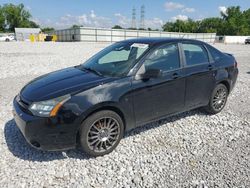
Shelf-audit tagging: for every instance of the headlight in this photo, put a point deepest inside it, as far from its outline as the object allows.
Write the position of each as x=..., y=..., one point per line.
x=48, y=108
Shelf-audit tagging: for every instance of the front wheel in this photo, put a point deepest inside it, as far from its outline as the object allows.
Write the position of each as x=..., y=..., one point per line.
x=218, y=99
x=101, y=133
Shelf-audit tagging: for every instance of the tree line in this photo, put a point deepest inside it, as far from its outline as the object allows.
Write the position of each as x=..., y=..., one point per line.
x=12, y=16
x=232, y=22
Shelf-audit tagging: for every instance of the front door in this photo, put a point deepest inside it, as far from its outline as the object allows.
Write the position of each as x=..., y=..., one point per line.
x=156, y=97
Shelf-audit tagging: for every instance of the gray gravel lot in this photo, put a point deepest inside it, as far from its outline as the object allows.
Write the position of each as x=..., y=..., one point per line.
x=188, y=150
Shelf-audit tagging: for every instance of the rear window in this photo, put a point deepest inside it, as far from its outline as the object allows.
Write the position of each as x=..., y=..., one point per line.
x=195, y=54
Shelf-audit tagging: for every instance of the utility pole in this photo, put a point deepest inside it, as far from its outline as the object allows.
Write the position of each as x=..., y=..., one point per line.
x=142, y=22
x=133, y=23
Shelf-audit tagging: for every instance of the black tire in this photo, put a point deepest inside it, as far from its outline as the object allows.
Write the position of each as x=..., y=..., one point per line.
x=7, y=40
x=217, y=100
x=104, y=129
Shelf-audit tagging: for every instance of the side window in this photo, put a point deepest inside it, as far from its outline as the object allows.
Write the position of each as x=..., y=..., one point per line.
x=195, y=54
x=140, y=51
x=165, y=58
x=215, y=53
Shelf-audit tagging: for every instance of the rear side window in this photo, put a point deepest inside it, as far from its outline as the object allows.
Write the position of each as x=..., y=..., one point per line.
x=195, y=54
x=216, y=54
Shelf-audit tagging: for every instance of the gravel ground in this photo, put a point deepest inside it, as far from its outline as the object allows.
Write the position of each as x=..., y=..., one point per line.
x=187, y=150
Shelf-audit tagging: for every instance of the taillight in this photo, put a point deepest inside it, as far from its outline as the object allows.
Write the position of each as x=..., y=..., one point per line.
x=235, y=64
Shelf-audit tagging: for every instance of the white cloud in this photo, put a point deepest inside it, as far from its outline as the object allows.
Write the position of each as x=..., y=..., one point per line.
x=123, y=21
x=93, y=20
x=155, y=23
x=188, y=10
x=170, y=6
x=223, y=9
x=92, y=14
x=87, y=20
x=180, y=17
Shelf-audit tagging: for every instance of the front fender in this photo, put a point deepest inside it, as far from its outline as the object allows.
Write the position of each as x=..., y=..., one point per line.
x=115, y=96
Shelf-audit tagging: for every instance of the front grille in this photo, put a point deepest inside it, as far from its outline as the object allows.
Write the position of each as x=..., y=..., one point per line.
x=21, y=102
x=24, y=104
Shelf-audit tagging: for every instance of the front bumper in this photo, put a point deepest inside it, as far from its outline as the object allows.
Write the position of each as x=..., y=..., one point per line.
x=49, y=134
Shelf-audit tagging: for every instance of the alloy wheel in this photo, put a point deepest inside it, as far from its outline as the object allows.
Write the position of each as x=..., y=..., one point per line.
x=103, y=134
x=219, y=99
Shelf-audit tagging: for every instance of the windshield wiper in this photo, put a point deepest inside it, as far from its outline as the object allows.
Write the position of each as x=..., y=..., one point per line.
x=93, y=70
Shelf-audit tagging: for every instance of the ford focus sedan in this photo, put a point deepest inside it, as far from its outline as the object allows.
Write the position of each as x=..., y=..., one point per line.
x=128, y=84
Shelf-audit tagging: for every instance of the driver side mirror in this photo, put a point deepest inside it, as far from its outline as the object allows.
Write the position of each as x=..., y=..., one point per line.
x=150, y=73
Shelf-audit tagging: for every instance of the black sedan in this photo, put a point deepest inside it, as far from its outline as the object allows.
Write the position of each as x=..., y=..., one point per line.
x=126, y=85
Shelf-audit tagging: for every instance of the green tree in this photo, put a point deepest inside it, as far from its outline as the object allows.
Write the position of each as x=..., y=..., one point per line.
x=150, y=29
x=246, y=15
x=188, y=26
x=117, y=27
x=33, y=24
x=17, y=16
x=233, y=19
x=2, y=20
x=76, y=26
x=169, y=26
x=131, y=28
x=211, y=25
x=232, y=22
x=48, y=29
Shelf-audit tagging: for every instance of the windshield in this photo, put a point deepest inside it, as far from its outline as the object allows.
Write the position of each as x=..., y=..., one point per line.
x=115, y=60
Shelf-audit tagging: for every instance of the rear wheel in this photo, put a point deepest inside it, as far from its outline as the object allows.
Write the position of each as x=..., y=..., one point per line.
x=218, y=99
x=101, y=133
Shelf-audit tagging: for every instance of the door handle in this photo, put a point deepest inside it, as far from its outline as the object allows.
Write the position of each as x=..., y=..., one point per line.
x=175, y=76
x=210, y=67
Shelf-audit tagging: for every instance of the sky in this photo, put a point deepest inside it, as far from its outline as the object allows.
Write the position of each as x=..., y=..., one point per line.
x=107, y=13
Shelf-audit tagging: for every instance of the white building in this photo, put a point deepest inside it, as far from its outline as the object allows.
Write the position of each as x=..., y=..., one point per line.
x=23, y=34
x=89, y=34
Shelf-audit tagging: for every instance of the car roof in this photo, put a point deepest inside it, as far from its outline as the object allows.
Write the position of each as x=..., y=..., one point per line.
x=159, y=40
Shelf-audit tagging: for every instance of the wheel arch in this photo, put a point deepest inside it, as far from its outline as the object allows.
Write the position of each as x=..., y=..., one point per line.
x=226, y=83
x=100, y=107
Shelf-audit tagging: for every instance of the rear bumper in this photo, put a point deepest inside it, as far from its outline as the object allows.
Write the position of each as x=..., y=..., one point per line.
x=234, y=77
x=49, y=134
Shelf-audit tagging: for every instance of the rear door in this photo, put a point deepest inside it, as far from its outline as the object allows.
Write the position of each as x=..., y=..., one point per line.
x=200, y=77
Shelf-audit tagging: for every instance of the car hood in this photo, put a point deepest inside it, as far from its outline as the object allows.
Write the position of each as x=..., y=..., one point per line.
x=66, y=81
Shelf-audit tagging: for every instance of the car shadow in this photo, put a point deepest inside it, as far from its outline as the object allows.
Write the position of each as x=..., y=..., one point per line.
x=163, y=121
x=248, y=72
x=18, y=146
